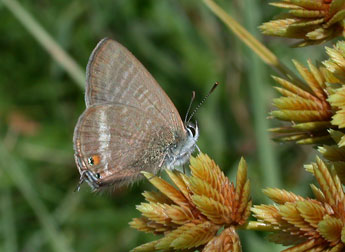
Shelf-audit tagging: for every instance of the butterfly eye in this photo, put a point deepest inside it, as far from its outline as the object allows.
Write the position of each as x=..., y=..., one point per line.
x=93, y=160
x=191, y=128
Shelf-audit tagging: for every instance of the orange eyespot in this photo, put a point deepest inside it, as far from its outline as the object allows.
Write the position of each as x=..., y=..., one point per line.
x=94, y=160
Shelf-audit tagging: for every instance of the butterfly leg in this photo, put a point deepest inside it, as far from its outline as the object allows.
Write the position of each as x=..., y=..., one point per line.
x=161, y=165
x=159, y=168
x=90, y=177
x=81, y=181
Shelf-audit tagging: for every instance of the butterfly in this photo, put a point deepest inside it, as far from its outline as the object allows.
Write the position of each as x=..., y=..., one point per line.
x=129, y=124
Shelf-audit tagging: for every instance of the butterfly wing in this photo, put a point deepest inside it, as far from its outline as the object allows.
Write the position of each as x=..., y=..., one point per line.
x=118, y=141
x=114, y=75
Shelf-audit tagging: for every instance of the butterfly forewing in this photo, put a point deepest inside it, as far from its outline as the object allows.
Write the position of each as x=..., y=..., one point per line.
x=115, y=75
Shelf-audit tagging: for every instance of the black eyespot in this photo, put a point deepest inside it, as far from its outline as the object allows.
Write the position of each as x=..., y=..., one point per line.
x=94, y=159
x=91, y=161
x=98, y=176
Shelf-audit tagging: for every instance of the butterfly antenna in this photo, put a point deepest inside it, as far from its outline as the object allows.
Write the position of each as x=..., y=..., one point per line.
x=190, y=105
x=203, y=100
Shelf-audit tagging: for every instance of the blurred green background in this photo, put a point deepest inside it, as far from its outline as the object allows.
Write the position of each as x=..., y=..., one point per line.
x=186, y=48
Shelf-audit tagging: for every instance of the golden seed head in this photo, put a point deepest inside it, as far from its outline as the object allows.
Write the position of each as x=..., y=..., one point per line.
x=190, y=213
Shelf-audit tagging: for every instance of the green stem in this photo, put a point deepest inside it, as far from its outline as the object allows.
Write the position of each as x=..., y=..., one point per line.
x=268, y=161
x=8, y=222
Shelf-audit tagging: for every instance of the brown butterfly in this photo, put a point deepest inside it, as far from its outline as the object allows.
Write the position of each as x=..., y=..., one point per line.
x=129, y=124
